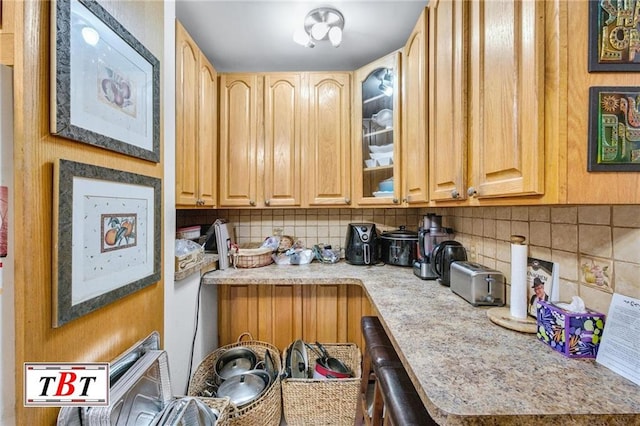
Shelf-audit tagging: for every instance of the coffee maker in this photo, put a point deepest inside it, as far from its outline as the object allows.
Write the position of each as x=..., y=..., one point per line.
x=430, y=234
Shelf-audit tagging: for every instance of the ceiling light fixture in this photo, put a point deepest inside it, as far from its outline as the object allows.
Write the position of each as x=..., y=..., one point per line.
x=324, y=23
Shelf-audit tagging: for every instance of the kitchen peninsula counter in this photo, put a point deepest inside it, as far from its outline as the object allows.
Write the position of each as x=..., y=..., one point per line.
x=466, y=369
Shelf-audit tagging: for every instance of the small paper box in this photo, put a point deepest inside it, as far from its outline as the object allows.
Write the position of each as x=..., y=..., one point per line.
x=573, y=334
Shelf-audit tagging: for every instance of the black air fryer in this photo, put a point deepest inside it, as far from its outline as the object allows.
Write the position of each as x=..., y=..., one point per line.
x=361, y=244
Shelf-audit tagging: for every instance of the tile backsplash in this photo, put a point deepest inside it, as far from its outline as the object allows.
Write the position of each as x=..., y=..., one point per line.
x=312, y=226
x=597, y=247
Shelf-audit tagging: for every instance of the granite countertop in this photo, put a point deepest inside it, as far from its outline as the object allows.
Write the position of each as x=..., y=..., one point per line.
x=467, y=369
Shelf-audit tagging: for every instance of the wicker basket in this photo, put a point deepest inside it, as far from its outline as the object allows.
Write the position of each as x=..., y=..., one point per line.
x=266, y=410
x=324, y=401
x=252, y=257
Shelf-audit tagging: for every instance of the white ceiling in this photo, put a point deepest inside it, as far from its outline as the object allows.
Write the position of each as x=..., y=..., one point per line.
x=257, y=35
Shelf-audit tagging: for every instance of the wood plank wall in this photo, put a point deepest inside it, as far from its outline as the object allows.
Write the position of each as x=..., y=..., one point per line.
x=582, y=186
x=103, y=334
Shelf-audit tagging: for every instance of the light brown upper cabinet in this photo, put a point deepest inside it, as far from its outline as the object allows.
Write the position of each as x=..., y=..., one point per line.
x=240, y=103
x=267, y=158
x=414, y=162
x=7, y=30
x=447, y=100
x=487, y=122
x=282, y=140
x=405, y=130
x=327, y=171
x=196, y=125
x=376, y=133
x=506, y=70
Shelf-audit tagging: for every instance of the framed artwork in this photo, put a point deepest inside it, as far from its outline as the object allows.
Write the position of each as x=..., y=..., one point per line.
x=614, y=36
x=107, y=84
x=614, y=129
x=106, y=237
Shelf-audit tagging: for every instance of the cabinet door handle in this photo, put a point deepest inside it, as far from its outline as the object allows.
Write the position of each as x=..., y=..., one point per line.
x=347, y=200
x=267, y=202
x=471, y=192
x=455, y=193
x=252, y=203
x=395, y=201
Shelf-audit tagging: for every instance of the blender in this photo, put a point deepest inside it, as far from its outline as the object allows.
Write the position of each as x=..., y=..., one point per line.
x=430, y=234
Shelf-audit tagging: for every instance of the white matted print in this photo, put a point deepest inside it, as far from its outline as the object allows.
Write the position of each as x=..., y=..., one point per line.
x=107, y=82
x=106, y=237
x=105, y=258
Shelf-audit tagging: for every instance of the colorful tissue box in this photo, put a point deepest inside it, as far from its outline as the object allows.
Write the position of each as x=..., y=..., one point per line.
x=573, y=334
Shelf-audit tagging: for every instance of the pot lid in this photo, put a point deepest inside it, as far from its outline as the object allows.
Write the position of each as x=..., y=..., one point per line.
x=235, y=361
x=270, y=365
x=243, y=388
x=299, y=360
x=235, y=366
x=400, y=234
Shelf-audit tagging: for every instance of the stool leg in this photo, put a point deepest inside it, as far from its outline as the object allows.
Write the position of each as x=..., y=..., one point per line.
x=362, y=414
x=378, y=406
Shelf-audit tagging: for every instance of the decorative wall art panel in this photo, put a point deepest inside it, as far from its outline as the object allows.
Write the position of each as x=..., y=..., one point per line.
x=106, y=237
x=614, y=35
x=107, y=84
x=614, y=129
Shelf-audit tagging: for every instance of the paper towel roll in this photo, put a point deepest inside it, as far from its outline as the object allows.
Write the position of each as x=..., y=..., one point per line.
x=518, y=301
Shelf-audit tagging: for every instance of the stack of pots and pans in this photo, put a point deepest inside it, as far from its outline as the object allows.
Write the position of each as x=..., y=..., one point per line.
x=237, y=375
x=399, y=247
x=297, y=364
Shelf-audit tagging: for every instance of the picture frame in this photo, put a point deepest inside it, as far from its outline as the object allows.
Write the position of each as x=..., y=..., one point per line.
x=106, y=237
x=612, y=48
x=542, y=283
x=614, y=129
x=107, y=84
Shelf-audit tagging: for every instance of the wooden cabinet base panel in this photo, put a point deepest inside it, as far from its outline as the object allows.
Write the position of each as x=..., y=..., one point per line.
x=280, y=314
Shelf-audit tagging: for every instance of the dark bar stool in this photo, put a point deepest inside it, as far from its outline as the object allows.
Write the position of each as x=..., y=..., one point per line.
x=403, y=406
x=395, y=400
x=378, y=351
x=378, y=345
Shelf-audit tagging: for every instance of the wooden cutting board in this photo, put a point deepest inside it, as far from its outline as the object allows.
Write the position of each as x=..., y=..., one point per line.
x=502, y=317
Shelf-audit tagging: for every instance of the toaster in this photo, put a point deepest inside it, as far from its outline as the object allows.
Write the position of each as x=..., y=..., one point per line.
x=478, y=284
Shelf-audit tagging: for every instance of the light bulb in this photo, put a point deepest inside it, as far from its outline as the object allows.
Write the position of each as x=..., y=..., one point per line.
x=301, y=37
x=90, y=35
x=319, y=30
x=335, y=36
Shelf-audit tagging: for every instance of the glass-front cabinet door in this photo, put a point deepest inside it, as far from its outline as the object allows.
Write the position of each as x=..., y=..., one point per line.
x=376, y=153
